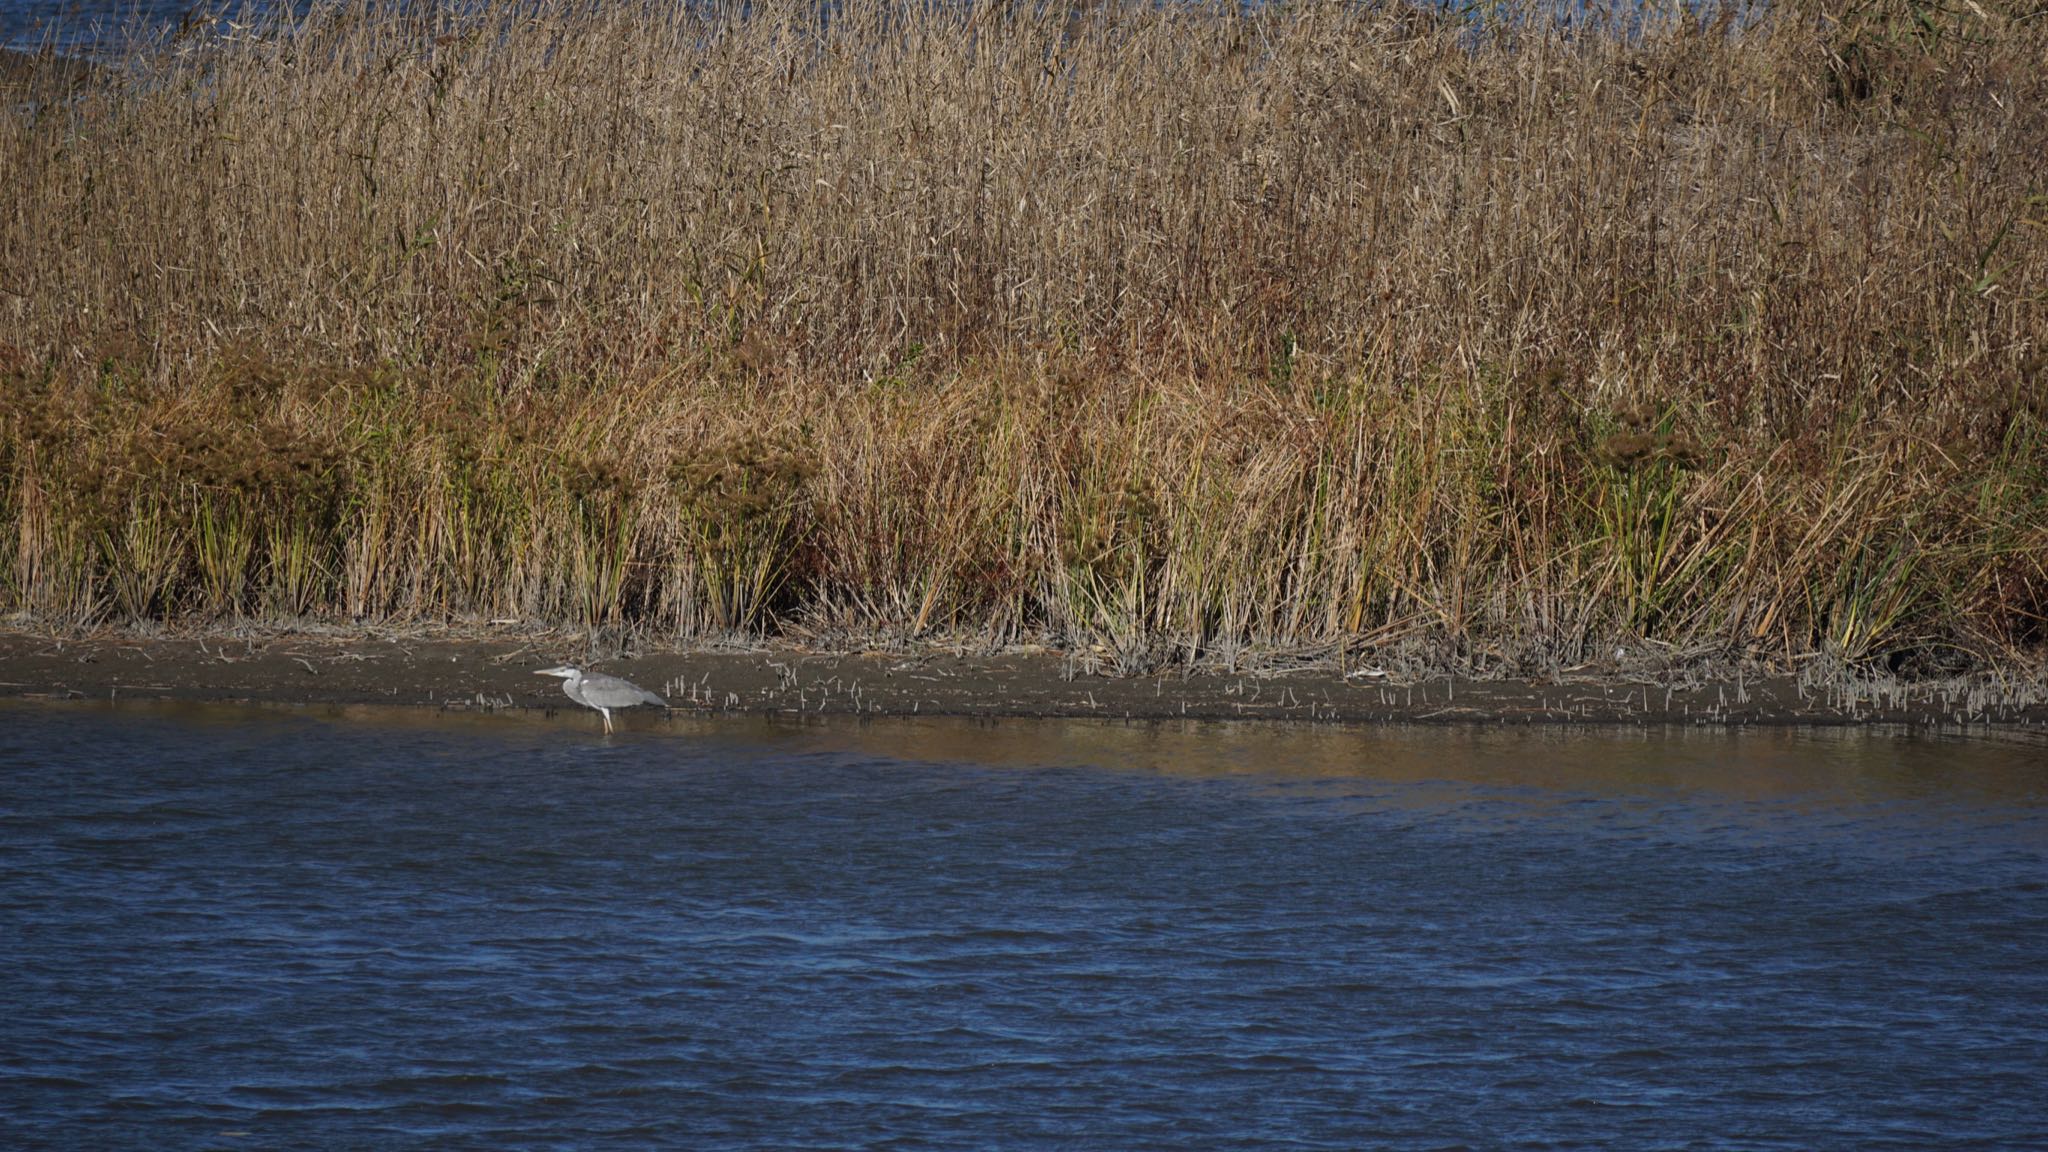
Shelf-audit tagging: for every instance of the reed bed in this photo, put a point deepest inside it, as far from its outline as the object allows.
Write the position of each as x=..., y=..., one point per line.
x=1487, y=340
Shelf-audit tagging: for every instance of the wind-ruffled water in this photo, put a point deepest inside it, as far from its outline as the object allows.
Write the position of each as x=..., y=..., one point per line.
x=225, y=928
x=80, y=26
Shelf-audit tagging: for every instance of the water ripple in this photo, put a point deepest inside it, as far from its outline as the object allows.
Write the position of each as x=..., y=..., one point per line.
x=283, y=932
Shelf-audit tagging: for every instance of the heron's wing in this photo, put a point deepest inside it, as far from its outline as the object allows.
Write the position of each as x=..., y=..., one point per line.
x=617, y=693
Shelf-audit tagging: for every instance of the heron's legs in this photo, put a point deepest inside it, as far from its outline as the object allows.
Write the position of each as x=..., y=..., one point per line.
x=607, y=714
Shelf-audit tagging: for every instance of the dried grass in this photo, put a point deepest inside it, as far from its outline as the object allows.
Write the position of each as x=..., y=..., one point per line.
x=1176, y=332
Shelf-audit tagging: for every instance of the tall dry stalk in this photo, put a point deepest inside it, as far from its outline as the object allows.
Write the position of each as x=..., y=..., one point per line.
x=1166, y=329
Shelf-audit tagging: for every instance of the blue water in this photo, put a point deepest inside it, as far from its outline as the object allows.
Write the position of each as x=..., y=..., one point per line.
x=239, y=929
x=78, y=25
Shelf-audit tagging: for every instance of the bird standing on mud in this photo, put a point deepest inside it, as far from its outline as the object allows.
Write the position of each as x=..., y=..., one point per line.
x=604, y=693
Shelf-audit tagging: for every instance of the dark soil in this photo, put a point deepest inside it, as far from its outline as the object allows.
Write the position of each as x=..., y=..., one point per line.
x=469, y=673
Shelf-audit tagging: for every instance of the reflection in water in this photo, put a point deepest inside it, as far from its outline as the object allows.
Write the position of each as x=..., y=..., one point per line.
x=361, y=927
x=1861, y=763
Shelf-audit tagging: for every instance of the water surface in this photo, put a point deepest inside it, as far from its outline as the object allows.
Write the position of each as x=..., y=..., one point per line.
x=77, y=25
x=228, y=928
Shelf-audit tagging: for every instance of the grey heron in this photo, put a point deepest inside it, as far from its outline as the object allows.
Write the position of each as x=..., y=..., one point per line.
x=602, y=692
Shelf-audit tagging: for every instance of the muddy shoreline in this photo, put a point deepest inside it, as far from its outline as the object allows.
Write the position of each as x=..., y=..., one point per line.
x=484, y=673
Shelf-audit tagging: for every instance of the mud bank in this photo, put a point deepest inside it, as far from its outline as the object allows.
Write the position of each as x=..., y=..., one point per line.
x=482, y=674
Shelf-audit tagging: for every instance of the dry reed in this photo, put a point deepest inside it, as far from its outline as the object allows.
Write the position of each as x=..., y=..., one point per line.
x=1169, y=331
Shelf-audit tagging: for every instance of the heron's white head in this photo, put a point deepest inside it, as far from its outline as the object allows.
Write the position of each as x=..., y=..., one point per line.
x=562, y=670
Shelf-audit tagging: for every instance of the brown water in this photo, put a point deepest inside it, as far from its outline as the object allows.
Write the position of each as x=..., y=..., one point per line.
x=240, y=928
